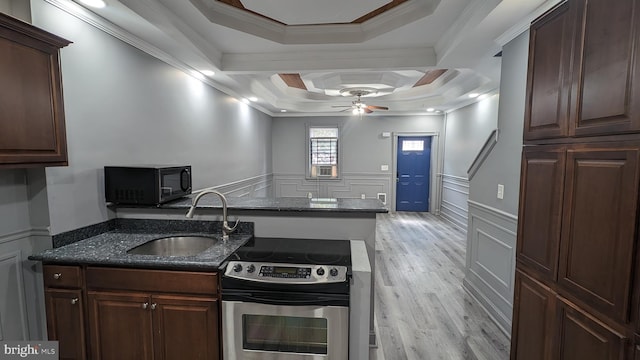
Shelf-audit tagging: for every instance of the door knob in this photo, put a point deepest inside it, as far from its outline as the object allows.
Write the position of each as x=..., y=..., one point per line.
x=74, y=301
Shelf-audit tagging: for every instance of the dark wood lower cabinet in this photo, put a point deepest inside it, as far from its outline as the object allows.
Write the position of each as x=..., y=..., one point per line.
x=132, y=314
x=582, y=337
x=184, y=327
x=120, y=326
x=533, y=319
x=65, y=322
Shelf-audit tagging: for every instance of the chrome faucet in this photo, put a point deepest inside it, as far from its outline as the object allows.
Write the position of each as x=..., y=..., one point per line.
x=226, y=229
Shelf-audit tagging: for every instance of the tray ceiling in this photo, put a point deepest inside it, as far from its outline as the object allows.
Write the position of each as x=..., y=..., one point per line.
x=303, y=56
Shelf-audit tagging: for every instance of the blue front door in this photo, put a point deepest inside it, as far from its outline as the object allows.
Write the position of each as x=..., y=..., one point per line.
x=413, y=167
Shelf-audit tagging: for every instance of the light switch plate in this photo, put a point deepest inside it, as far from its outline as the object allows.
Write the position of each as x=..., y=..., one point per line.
x=500, y=191
x=384, y=167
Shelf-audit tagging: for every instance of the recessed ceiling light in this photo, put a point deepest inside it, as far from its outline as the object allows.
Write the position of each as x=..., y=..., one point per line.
x=253, y=98
x=197, y=74
x=283, y=110
x=94, y=3
x=431, y=109
x=246, y=101
x=474, y=95
x=208, y=72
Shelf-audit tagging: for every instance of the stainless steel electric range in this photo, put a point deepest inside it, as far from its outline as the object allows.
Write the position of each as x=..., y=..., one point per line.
x=287, y=299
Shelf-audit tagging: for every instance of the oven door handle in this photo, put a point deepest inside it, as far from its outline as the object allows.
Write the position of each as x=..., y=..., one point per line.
x=298, y=299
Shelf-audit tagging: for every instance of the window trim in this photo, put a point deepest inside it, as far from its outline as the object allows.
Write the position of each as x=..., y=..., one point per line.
x=308, y=165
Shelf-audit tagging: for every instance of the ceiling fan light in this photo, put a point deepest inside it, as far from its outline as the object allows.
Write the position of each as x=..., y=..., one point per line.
x=355, y=111
x=361, y=110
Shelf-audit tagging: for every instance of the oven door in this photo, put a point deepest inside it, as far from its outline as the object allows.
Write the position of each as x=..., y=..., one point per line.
x=284, y=332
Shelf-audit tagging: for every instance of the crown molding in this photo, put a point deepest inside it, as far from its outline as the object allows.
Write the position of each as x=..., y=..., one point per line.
x=523, y=25
x=108, y=27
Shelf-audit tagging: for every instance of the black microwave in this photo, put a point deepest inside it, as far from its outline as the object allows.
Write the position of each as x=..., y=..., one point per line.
x=146, y=184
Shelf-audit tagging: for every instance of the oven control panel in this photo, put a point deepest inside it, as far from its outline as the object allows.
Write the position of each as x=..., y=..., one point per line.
x=286, y=273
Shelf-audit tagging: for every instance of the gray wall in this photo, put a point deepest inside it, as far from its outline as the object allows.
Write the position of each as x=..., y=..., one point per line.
x=363, y=151
x=491, y=237
x=125, y=107
x=466, y=131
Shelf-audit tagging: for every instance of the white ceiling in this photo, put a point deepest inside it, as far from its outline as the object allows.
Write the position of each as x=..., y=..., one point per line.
x=386, y=54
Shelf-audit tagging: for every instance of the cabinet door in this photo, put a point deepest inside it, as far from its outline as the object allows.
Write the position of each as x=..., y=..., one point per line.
x=185, y=328
x=32, y=127
x=533, y=319
x=581, y=337
x=120, y=326
x=549, y=74
x=605, y=91
x=598, y=228
x=540, y=210
x=65, y=322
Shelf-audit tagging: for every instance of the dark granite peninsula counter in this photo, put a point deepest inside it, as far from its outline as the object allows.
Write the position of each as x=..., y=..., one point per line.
x=107, y=244
x=287, y=204
x=301, y=218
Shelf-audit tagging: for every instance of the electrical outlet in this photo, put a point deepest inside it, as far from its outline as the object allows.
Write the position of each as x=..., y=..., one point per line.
x=384, y=167
x=500, y=191
x=363, y=196
x=310, y=195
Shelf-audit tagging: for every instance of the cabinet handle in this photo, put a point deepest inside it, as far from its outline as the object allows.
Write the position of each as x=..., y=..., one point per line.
x=145, y=305
x=57, y=276
x=74, y=301
x=153, y=306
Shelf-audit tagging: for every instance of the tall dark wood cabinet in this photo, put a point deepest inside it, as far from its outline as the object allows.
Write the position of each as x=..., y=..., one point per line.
x=577, y=293
x=32, y=127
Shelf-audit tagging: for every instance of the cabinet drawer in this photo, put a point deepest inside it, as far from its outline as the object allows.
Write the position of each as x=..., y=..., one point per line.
x=62, y=276
x=166, y=281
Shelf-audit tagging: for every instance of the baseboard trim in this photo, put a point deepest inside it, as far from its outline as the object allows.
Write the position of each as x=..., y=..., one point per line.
x=503, y=323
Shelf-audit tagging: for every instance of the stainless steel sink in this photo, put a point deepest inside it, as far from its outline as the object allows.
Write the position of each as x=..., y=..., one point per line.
x=175, y=246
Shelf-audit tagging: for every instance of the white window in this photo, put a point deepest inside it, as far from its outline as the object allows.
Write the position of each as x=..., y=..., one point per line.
x=323, y=152
x=412, y=145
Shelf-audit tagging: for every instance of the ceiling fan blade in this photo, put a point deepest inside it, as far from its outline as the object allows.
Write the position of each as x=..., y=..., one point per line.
x=377, y=107
x=367, y=110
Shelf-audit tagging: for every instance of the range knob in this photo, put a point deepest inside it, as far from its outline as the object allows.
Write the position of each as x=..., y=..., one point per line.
x=251, y=268
x=320, y=271
x=333, y=272
x=237, y=267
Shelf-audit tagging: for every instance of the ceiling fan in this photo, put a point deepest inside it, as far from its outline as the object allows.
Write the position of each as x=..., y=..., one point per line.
x=357, y=106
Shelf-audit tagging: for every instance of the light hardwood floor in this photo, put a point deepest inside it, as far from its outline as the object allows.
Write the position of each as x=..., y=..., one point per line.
x=422, y=311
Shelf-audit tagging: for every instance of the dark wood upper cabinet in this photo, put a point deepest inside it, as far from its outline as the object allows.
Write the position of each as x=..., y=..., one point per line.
x=605, y=90
x=542, y=180
x=32, y=128
x=581, y=337
x=584, y=71
x=549, y=75
x=533, y=319
x=598, y=228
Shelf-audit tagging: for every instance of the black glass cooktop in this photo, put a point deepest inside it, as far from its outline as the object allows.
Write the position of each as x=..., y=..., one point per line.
x=296, y=251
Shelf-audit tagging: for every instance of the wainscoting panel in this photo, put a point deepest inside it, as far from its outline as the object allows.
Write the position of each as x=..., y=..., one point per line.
x=490, y=267
x=351, y=185
x=22, y=315
x=15, y=325
x=455, y=193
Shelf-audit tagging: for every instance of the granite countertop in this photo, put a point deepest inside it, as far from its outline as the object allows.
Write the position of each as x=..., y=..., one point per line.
x=110, y=248
x=281, y=204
